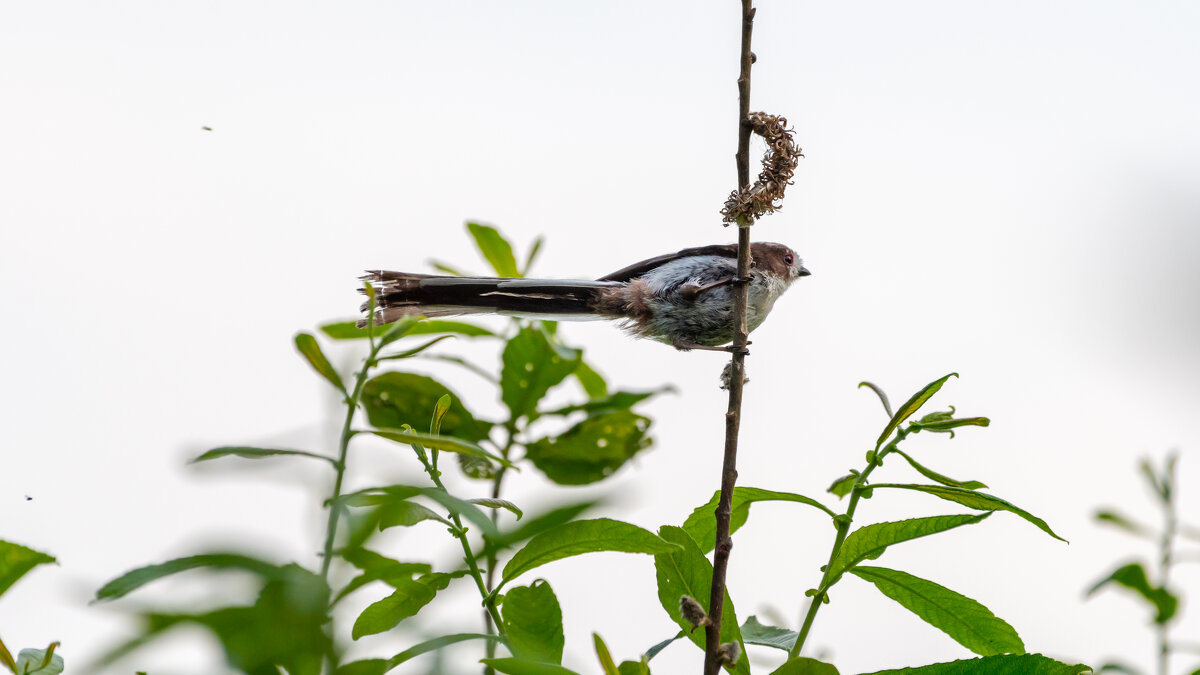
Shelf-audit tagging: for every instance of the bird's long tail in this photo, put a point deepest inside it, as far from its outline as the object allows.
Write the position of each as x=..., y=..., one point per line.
x=400, y=294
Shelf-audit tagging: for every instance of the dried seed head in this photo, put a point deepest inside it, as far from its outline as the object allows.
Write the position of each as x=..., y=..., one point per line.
x=729, y=652
x=693, y=612
x=778, y=167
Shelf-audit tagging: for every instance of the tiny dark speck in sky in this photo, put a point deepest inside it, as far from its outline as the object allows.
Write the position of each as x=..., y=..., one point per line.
x=206, y=128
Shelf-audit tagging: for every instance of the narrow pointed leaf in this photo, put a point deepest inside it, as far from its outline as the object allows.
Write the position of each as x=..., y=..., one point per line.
x=755, y=633
x=16, y=561
x=654, y=650
x=257, y=453
x=406, y=514
x=883, y=398
x=686, y=571
x=495, y=249
x=974, y=500
x=446, y=268
x=1133, y=577
x=633, y=668
x=606, y=660
x=911, y=406
x=966, y=621
x=380, y=666
x=1120, y=521
x=515, y=666
x=498, y=504
x=443, y=443
x=584, y=536
x=311, y=351
x=1008, y=664
x=533, y=622
x=533, y=526
x=349, y=330
x=940, y=478
x=393, y=493
x=870, y=541
x=702, y=526
x=383, y=615
x=134, y=579
x=534, y=249
x=409, y=353
x=801, y=665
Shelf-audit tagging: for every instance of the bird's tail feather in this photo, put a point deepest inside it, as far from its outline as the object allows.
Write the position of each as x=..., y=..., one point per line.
x=399, y=294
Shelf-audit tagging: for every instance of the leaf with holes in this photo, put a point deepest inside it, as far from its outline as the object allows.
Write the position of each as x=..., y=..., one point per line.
x=532, y=365
x=591, y=450
x=395, y=399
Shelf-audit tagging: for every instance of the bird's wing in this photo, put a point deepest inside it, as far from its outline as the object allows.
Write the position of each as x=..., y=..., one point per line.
x=638, y=269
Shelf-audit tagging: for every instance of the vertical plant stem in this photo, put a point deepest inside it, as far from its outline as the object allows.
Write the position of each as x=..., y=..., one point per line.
x=843, y=522
x=1166, y=560
x=331, y=524
x=489, y=629
x=733, y=415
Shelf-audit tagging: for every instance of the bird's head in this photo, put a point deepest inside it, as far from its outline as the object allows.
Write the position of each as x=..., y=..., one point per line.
x=778, y=260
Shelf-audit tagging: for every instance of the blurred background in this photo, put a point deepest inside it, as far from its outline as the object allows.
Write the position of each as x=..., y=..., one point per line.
x=1006, y=191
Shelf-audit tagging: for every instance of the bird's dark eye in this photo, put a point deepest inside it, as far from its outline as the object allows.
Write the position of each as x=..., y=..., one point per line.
x=788, y=259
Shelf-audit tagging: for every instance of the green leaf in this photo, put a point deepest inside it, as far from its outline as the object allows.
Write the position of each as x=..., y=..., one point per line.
x=948, y=425
x=39, y=661
x=702, y=525
x=653, y=651
x=633, y=668
x=883, y=398
x=406, y=514
x=802, y=665
x=621, y=400
x=869, y=542
x=391, y=575
x=311, y=351
x=605, y=657
x=383, y=615
x=531, y=527
x=349, y=330
x=533, y=621
x=592, y=382
x=584, y=536
x=134, y=579
x=755, y=633
x=495, y=249
x=1008, y=664
x=393, y=400
x=967, y=622
x=937, y=477
x=1133, y=576
x=911, y=406
x=380, y=666
x=591, y=450
x=1117, y=667
x=1120, y=521
x=393, y=493
x=844, y=485
x=444, y=443
x=409, y=353
x=257, y=453
x=515, y=666
x=974, y=500
x=498, y=504
x=534, y=249
x=16, y=561
x=532, y=366
x=685, y=571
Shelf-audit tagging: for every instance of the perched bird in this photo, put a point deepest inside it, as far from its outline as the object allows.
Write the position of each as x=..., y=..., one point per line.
x=684, y=299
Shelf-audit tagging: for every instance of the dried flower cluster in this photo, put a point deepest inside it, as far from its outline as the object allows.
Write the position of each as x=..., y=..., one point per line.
x=779, y=164
x=693, y=612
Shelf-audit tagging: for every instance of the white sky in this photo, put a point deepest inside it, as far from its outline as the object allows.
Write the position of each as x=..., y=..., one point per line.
x=1004, y=190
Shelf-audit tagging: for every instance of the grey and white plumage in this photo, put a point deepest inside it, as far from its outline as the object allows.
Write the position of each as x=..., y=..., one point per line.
x=684, y=299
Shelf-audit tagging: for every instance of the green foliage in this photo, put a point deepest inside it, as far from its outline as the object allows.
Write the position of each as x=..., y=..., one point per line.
x=257, y=453
x=408, y=599
x=974, y=500
x=496, y=249
x=702, y=527
x=394, y=400
x=870, y=541
x=591, y=450
x=966, y=621
x=584, y=536
x=912, y=405
x=311, y=351
x=805, y=666
x=533, y=622
x=1133, y=577
x=134, y=579
x=515, y=666
x=39, y=662
x=685, y=571
x=1023, y=664
x=755, y=633
x=349, y=330
x=532, y=366
x=16, y=561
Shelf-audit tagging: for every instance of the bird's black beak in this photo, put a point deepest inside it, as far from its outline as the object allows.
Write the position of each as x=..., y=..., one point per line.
x=803, y=272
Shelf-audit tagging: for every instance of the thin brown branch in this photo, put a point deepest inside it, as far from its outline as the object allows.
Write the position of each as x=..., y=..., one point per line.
x=733, y=416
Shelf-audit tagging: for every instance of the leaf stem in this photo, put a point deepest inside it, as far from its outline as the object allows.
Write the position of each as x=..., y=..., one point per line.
x=1166, y=559
x=737, y=366
x=843, y=523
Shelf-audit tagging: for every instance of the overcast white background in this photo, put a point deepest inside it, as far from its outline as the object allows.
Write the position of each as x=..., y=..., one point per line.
x=1006, y=190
